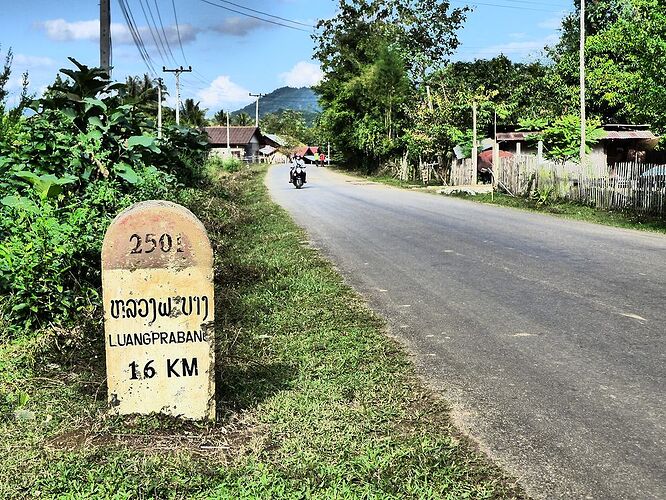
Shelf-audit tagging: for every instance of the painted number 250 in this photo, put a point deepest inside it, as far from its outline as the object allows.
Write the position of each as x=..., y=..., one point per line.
x=152, y=243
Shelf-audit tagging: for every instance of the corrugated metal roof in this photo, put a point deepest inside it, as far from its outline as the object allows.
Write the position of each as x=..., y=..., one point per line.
x=237, y=135
x=608, y=135
x=276, y=139
x=629, y=134
x=513, y=136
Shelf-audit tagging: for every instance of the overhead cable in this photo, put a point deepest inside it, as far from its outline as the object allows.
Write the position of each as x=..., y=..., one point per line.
x=256, y=17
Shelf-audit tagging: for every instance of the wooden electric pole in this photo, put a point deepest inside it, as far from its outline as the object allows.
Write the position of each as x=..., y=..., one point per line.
x=582, y=82
x=256, y=113
x=105, y=36
x=177, y=71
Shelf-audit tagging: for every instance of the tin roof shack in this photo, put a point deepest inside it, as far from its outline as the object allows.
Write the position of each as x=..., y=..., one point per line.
x=621, y=143
x=244, y=142
x=517, y=142
x=629, y=143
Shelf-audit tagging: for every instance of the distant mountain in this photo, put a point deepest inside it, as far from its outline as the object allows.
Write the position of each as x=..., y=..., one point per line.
x=302, y=99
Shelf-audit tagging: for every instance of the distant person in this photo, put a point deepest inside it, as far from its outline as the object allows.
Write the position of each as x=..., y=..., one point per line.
x=298, y=162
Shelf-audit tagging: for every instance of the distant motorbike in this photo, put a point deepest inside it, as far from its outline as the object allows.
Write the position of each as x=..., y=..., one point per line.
x=297, y=174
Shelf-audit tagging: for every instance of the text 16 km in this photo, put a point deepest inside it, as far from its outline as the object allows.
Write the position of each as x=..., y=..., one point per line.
x=151, y=242
x=179, y=367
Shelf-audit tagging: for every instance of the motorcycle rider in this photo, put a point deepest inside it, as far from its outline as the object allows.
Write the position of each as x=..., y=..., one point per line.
x=298, y=162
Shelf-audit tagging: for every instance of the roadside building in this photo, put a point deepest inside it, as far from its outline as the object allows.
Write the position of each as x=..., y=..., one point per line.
x=244, y=142
x=310, y=154
x=621, y=143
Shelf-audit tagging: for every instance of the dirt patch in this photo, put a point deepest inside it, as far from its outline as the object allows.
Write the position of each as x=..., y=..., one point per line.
x=222, y=442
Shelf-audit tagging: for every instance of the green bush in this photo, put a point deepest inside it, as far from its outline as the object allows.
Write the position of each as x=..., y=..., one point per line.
x=228, y=164
x=65, y=172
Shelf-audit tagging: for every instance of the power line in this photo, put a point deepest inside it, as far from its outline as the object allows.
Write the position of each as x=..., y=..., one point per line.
x=180, y=41
x=166, y=38
x=136, y=36
x=140, y=43
x=266, y=14
x=473, y=3
x=255, y=17
x=152, y=33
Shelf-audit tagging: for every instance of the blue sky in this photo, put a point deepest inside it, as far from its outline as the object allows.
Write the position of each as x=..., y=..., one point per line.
x=233, y=54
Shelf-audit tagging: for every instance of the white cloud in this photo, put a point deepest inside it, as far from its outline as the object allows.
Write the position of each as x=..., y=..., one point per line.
x=303, y=74
x=60, y=30
x=238, y=26
x=33, y=61
x=223, y=93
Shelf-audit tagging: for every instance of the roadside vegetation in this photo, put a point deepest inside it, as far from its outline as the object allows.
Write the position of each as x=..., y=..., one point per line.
x=575, y=211
x=391, y=95
x=539, y=202
x=313, y=399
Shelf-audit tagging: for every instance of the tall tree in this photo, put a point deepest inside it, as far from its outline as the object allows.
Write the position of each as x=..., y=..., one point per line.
x=374, y=53
x=219, y=118
x=192, y=114
x=625, y=69
x=242, y=119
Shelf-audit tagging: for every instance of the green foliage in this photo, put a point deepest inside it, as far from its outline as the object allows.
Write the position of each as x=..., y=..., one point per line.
x=293, y=127
x=227, y=164
x=192, y=114
x=561, y=137
x=372, y=54
x=86, y=153
x=242, y=120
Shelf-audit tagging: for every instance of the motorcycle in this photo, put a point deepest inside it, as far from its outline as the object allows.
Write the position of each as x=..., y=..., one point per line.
x=297, y=174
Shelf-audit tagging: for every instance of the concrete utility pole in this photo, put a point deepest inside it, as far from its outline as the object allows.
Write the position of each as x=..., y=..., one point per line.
x=582, y=82
x=228, y=142
x=105, y=36
x=159, y=108
x=256, y=114
x=475, y=150
x=178, y=71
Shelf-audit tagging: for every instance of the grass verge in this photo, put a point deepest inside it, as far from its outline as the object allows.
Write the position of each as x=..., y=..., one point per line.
x=576, y=211
x=314, y=400
x=564, y=209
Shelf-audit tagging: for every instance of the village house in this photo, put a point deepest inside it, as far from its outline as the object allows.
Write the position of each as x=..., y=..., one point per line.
x=621, y=143
x=243, y=142
x=310, y=154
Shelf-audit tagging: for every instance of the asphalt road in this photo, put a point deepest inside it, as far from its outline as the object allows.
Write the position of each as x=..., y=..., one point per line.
x=546, y=335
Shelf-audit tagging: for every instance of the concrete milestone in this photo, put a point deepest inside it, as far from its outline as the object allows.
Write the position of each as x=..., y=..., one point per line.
x=157, y=279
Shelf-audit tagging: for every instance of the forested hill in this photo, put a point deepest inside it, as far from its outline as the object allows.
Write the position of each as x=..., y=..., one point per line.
x=302, y=99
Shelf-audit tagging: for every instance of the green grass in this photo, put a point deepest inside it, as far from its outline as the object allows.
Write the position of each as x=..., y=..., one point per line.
x=564, y=209
x=576, y=211
x=314, y=400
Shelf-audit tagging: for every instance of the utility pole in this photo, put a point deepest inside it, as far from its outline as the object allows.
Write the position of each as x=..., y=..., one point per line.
x=105, y=36
x=178, y=71
x=228, y=142
x=582, y=82
x=159, y=108
x=256, y=114
x=474, y=148
x=430, y=106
